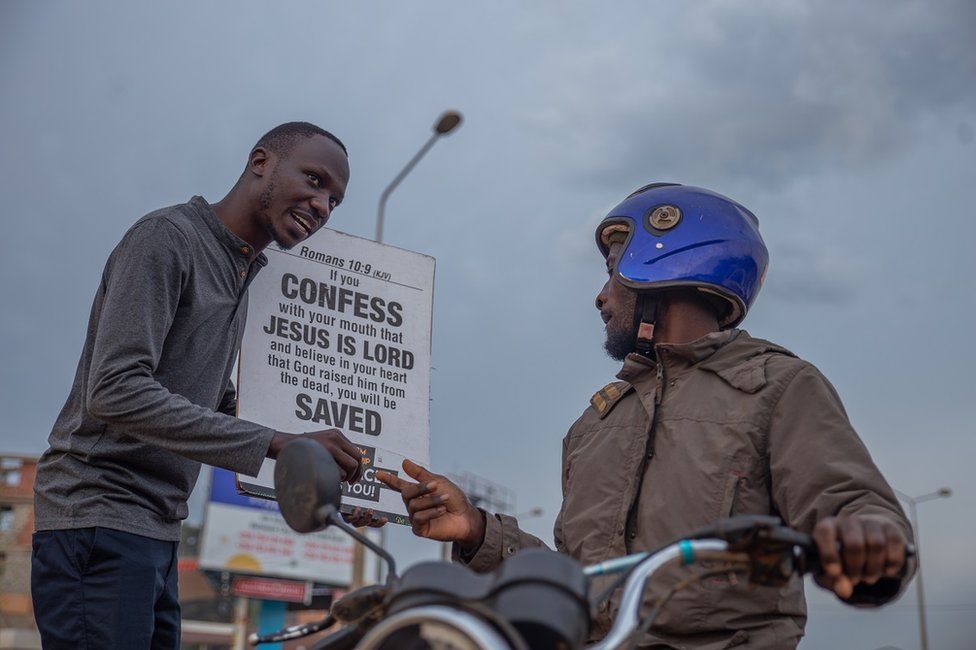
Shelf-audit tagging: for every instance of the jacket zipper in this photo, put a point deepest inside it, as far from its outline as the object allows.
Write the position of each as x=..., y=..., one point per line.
x=659, y=390
x=630, y=526
x=733, y=580
x=735, y=496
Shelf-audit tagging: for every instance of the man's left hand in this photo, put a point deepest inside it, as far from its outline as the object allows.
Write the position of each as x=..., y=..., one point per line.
x=360, y=518
x=857, y=550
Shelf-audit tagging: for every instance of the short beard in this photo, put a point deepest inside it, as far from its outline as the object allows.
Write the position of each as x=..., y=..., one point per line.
x=264, y=202
x=621, y=341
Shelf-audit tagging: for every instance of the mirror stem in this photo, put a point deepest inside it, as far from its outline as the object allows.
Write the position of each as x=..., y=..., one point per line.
x=328, y=513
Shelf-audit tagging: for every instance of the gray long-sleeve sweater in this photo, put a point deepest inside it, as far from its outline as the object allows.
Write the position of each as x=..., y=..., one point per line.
x=145, y=407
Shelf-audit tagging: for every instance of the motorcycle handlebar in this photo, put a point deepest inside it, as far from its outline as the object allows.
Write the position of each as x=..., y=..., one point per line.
x=293, y=632
x=770, y=551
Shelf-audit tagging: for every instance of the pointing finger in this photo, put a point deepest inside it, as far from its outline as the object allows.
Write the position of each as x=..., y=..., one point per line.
x=406, y=489
x=414, y=490
x=416, y=471
x=393, y=482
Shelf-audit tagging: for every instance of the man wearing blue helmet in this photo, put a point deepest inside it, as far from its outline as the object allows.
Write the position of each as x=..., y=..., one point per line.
x=705, y=422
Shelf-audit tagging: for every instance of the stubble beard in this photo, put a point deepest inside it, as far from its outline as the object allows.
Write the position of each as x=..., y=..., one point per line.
x=265, y=201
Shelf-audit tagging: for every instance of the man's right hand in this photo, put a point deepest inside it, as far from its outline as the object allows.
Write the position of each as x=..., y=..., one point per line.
x=438, y=508
x=345, y=453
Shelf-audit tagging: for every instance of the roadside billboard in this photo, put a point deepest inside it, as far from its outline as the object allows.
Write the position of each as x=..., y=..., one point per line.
x=244, y=534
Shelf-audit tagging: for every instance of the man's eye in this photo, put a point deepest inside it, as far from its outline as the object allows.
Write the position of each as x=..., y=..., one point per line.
x=313, y=178
x=333, y=203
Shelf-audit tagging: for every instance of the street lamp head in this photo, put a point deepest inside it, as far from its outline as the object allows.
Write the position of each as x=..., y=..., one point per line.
x=447, y=122
x=944, y=492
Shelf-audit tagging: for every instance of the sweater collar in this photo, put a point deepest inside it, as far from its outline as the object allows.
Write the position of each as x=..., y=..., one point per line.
x=222, y=233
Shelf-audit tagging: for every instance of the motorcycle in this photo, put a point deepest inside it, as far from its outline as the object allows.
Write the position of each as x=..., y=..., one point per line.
x=537, y=599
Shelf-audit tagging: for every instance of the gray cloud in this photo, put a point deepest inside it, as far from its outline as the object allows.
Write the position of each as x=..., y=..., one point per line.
x=803, y=272
x=766, y=92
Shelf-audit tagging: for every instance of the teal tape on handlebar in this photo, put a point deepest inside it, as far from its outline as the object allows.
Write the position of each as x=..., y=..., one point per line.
x=687, y=552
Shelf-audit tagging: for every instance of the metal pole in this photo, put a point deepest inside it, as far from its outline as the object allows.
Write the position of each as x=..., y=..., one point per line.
x=380, y=564
x=922, y=628
x=358, y=565
x=240, y=623
x=913, y=502
x=396, y=181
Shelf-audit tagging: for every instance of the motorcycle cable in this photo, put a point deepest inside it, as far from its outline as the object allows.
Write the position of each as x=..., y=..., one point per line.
x=648, y=621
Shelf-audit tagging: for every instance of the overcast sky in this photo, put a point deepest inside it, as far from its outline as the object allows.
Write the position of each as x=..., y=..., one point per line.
x=848, y=128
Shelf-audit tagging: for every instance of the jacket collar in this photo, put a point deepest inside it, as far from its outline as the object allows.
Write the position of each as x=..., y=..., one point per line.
x=696, y=351
x=733, y=355
x=676, y=356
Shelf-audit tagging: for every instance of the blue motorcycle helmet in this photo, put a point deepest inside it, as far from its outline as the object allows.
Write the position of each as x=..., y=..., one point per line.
x=679, y=236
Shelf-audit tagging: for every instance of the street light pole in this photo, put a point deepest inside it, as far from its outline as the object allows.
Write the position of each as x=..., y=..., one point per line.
x=447, y=122
x=913, y=502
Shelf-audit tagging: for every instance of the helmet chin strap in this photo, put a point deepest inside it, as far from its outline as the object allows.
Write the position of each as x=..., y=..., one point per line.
x=645, y=315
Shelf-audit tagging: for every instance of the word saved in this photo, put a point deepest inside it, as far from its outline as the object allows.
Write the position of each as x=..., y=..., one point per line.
x=338, y=415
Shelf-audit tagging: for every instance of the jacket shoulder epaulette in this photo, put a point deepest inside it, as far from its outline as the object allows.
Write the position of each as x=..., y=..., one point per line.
x=604, y=399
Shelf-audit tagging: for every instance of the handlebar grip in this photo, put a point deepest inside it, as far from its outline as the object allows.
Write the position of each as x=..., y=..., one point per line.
x=812, y=556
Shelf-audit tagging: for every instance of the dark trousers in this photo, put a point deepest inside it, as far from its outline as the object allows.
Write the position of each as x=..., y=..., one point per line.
x=98, y=588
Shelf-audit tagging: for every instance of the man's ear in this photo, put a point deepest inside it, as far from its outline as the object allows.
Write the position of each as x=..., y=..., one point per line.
x=260, y=161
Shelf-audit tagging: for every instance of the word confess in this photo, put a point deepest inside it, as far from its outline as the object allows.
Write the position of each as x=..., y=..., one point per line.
x=361, y=305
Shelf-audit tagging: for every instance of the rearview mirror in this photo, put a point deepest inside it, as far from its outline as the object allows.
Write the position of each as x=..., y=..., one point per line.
x=306, y=481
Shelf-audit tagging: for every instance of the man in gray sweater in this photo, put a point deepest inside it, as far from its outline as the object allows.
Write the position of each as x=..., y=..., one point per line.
x=152, y=397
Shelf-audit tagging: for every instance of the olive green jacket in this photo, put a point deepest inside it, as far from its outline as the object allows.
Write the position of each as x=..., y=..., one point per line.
x=725, y=425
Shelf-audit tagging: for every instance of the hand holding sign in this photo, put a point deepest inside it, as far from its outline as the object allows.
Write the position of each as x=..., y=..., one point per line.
x=362, y=517
x=438, y=508
x=345, y=453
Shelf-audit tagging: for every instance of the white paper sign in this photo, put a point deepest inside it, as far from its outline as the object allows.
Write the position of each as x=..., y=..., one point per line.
x=338, y=336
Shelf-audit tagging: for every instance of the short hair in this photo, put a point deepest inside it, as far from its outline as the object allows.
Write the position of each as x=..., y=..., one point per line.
x=282, y=138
